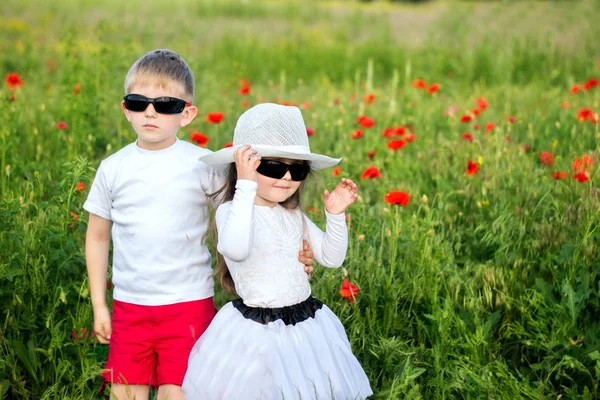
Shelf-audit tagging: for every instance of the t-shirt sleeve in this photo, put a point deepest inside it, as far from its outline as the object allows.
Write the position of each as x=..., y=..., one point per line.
x=99, y=201
x=330, y=246
x=212, y=179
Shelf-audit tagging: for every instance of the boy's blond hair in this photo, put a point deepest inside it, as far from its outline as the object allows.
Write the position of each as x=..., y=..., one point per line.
x=163, y=68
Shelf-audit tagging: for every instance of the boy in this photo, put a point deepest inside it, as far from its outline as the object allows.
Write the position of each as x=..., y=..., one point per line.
x=153, y=195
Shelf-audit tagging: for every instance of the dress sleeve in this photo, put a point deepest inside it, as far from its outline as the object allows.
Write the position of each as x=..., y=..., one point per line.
x=99, y=200
x=329, y=246
x=235, y=222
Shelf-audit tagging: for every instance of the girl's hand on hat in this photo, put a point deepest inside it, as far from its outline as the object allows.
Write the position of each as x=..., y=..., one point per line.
x=246, y=162
x=345, y=193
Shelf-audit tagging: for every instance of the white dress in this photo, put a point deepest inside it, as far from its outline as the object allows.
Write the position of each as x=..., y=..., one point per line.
x=277, y=342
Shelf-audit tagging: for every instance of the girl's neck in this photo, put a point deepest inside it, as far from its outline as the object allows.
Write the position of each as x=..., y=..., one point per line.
x=259, y=201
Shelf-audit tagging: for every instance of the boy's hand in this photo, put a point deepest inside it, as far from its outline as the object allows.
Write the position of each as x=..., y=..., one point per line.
x=307, y=257
x=246, y=162
x=102, y=324
x=345, y=193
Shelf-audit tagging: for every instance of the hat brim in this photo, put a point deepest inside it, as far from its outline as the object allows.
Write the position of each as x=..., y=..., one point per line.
x=225, y=156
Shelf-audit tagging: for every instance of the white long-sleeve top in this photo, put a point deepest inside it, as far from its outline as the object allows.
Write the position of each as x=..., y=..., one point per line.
x=260, y=245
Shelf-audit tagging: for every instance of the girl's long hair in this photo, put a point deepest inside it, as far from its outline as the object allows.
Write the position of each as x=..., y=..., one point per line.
x=226, y=193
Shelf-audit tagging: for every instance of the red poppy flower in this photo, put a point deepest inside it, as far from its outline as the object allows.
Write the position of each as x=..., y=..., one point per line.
x=434, y=88
x=389, y=132
x=575, y=89
x=13, y=80
x=370, y=173
x=411, y=137
x=489, y=127
x=245, y=104
x=512, y=120
x=349, y=290
x=244, y=90
x=366, y=122
x=585, y=114
x=80, y=187
x=401, y=198
x=400, y=130
x=244, y=82
x=467, y=136
x=526, y=147
x=215, y=117
x=371, y=154
x=396, y=144
x=310, y=131
x=565, y=104
x=582, y=162
x=62, y=125
x=229, y=144
x=356, y=134
x=466, y=118
x=305, y=105
x=559, y=175
x=476, y=111
x=77, y=88
x=582, y=176
x=476, y=127
x=336, y=101
x=419, y=84
x=546, y=158
x=472, y=167
x=369, y=98
x=507, y=138
x=12, y=96
x=482, y=103
x=336, y=171
x=199, y=138
x=591, y=83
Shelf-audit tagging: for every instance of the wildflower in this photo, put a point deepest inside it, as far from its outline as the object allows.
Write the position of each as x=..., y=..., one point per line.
x=366, y=122
x=229, y=144
x=199, y=138
x=411, y=137
x=12, y=97
x=80, y=187
x=336, y=101
x=476, y=112
x=434, y=88
x=215, y=117
x=466, y=118
x=370, y=173
x=467, y=136
x=575, y=89
x=310, y=131
x=489, y=127
x=369, y=98
x=371, y=154
x=546, y=158
x=396, y=144
x=395, y=197
x=245, y=104
x=419, y=84
x=511, y=119
x=585, y=114
x=476, y=127
x=305, y=105
x=582, y=162
x=336, y=171
x=582, y=176
x=400, y=130
x=13, y=80
x=482, y=103
x=590, y=84
x=244, y=90
x=389, y=132
x=472, y=167
x=62, y=125
x=526, y=147
x=349, y=290
x=77, y=88
x=559, y=175
x=356, y=134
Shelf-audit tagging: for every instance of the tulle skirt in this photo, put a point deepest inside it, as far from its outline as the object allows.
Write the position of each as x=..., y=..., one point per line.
x=238, y=358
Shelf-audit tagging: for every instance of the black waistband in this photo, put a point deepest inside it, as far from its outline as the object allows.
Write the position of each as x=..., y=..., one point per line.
x=290, y=315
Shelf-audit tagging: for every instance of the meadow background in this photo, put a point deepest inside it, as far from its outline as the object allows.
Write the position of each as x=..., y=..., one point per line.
x=484, y=284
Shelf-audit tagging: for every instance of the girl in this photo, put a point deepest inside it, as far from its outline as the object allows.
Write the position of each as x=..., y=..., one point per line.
x=276, y=341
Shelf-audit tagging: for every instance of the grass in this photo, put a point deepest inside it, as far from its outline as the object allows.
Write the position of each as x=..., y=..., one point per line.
x=483, y=286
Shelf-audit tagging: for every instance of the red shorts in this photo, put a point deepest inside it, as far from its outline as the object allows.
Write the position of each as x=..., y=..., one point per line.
x=150, y=345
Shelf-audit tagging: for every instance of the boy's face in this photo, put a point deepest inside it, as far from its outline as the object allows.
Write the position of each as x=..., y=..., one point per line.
x=158, y=131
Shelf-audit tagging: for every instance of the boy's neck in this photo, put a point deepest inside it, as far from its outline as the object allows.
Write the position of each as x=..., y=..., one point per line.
x=156, y=146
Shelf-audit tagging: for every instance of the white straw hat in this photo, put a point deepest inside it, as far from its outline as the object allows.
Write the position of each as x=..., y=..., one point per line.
x=272, y=130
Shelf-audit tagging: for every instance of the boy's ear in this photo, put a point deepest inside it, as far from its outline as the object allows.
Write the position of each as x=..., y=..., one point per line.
x=189, y=114
x=126, y=111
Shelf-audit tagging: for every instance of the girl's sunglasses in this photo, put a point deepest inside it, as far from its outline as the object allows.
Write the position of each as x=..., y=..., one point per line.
x=162, y=105
x=277, y=170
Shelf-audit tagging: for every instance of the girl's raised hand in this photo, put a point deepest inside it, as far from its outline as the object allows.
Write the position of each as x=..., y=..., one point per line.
x=345, y=193
x=246, y=162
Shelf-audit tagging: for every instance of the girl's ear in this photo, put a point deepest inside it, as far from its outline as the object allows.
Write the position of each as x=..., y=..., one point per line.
x=189, y=114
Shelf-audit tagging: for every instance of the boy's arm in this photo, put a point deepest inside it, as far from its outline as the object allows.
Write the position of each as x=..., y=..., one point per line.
x=97, y=244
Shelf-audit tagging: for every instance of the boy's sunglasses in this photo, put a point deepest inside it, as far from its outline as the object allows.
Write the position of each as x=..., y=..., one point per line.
x=277, y=170
x=162, y=105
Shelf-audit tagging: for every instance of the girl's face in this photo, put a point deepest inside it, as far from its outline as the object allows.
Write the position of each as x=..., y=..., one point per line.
x=272, y=191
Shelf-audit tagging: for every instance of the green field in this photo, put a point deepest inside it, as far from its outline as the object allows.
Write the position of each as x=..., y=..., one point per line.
x=483, y=286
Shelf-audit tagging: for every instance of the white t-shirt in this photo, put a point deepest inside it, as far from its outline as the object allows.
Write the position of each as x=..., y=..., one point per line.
x=260, y=245
x=158, y=204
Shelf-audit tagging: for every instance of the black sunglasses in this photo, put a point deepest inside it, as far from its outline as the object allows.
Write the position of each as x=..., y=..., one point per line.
x=162, y=105
x=277, y=169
